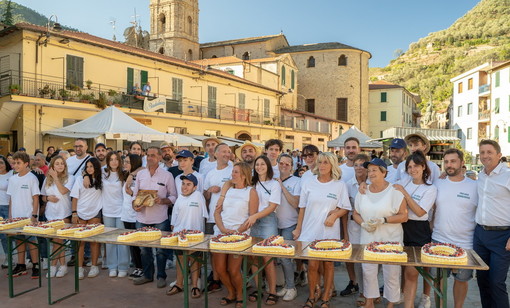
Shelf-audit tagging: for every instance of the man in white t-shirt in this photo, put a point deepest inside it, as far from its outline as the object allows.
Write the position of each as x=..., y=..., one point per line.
x=418, y=142
x=454, y=217
x=310, y=154
x=100, y=153
x=209, y=163
x=24, y=191
x=398, y=151
x=273, y=149
x=351, y=149
x=76, y=163
x=247, y=152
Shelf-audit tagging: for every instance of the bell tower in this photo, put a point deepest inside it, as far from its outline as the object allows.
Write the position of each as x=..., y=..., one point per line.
x=174, y=28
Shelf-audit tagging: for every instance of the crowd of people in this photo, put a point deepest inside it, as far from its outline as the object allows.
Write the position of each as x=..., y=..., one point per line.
x=301, y=195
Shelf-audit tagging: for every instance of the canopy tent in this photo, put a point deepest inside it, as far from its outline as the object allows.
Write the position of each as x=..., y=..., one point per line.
x=354, y=132
x=231, y=142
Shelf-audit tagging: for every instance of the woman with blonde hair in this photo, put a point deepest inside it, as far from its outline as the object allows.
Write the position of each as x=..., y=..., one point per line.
x=323, y=200
x=55, y=192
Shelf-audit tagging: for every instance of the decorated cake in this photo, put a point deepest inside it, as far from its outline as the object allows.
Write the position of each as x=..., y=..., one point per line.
x=273, y=244
x=14, y=223
x=443, y=253
x=89, y=230
x=39, y=228
x=70, y=229
x=56, y=223
x=182, y=238
x=233, y=241
x=145, y=234
x=385, y=251
x=330, y=248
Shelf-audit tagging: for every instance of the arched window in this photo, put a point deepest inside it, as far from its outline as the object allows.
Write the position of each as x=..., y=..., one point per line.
x=190, y=25
x=161, y=50
x=190, y=55
x=342, y=60
x=162, y=22
x=214, y=56
x=292, y=79
x=310, y=62
x=283, y=75
x=246, y=56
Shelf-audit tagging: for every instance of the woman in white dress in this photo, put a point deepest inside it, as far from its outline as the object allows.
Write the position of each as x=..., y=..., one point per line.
x=324, y=199
x=380, y=211
x=231, y=214
x=55, y=192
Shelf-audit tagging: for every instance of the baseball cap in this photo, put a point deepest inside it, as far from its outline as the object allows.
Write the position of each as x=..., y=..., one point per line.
x=184, y=153
x=190, y=177
x=100, y=145
x=398, y=143
x=22, y=149
x=377, y=162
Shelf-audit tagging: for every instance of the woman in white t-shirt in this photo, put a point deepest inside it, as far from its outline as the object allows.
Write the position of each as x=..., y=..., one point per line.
x=112, y=200
x=5, y=174
x=86, y=208
x=132, y=165
x=55, y=192
x=323, y=200
x=232, y=211
x=420, y=196
x=380, y=211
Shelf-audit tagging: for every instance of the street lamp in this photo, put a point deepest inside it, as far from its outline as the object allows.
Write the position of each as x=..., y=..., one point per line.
x=56, y=28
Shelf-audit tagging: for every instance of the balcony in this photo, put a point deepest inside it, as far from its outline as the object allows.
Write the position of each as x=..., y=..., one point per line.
x=309, y=125
x=484, y=115
x=484, y=90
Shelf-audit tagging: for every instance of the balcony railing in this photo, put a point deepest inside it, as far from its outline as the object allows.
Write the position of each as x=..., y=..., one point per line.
x=484, y=88
x=484, y=114
x=310, y=125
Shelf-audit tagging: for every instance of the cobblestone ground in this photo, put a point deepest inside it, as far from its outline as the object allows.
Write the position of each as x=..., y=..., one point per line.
x=103, y=291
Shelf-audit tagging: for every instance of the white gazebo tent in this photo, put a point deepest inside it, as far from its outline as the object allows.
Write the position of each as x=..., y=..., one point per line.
x=354, y=132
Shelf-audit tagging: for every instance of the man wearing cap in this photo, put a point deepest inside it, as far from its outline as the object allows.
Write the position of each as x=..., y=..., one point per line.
x=398, y=150
x=248, y=152
x=185, y=160
x=492, y=231
x=77, y=162
x=168, y=160
x=209, y=163
x=418, y=142
x=100, y=153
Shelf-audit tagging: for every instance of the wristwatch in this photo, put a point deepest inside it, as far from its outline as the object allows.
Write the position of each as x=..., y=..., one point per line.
x=35, y=215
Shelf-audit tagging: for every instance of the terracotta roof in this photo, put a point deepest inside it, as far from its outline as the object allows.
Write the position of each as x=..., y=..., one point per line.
x=316, y=47
x=216, y=61
x=246, y=40
x=269, y=59
x=374, y=86
x=313, y=115
x=121, y=47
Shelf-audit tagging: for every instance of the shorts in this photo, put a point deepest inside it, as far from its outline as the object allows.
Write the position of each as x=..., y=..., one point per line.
x=209, y=228
x=417, y=233
x=98, y=215
x=265, y=227
x=460, y=274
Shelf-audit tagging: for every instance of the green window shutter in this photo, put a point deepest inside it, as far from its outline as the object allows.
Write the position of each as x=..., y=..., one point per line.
x=508, y=130
x=130, y=77
x=242, y=101
x=383, y=115
x=292, y=79
x=177, y=89
x=144, y=77
x=283, y=75
x=496, y=106
x=384, y=97
x=497, y=80
x=74, y=71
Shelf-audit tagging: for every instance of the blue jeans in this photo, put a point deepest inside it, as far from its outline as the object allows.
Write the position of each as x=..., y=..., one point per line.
x=265, y=227
x=288, y=266
x=148, y=256
x=490, y=245
x=4, y=212
x=118, y=255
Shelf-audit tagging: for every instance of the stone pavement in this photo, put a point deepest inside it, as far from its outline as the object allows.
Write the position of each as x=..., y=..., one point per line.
x=103, y=291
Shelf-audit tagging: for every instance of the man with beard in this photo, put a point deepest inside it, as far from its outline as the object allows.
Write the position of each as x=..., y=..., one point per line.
x=168, y=160
x=397, y=155
x=76, y=163
x=100, y=153
x=454, y=218
x=351, y=149
x=209, y=163
x=248, y=152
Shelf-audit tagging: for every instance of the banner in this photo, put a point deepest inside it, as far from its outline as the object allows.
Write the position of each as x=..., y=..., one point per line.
x=158, y=103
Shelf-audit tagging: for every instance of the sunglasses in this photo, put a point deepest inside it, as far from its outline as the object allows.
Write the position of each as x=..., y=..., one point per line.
x=307, y=155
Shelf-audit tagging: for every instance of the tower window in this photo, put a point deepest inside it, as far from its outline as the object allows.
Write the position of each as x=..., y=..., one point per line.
x=310, y=62
x=214, y=57
x=246, y=56
x=190, y=25
x=161, y=50
x=190, y=55
x=342, y=60
x=162, y=22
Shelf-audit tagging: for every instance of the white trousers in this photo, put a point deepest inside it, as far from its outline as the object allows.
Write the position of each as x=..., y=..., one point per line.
x=391, y=275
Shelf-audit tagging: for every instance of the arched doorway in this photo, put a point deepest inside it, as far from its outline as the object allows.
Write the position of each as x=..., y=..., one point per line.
x=243, y=136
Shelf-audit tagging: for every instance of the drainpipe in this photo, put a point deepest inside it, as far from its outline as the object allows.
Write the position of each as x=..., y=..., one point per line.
x=360, y=83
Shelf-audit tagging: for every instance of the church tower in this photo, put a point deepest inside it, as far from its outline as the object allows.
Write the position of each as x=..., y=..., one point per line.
x=174, y=28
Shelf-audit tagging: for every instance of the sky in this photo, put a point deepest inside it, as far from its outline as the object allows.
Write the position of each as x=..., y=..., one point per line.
x=377, y=26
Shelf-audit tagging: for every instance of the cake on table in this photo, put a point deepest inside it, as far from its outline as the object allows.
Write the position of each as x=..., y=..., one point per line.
x=183, y=238
x=443, y=253
x=273, y=245
x=14, y=223
x=145, y=234
x=385, y=251
x=56, y=223
x=89, y=230
x=39, y=228
x=233, y=241
x=70, y=229
x=330, y=248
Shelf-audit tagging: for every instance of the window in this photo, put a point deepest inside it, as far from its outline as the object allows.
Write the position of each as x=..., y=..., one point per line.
x=266, y=108
x=459, y=87
x=496, y=83
x=246, y=56
x=470, y=83
x=342, y=60
x=190, y=25
x=496, y=105
x=74, y=71
x=470, y=108
x=310, y=62
x=310, y=105
x=214, y=56
x=211, y=102
x=384, y=96
x=190, y=55
x=496, y=133
x=459, y=111
x=292, y=79
x=383, y=116
x=177, y=89
x=283, y=75
x=508, y=130
x=136, y=77
x=161, y=23
x=469, y=133
x=341, y=109
x=161, y=50
x=242, y=101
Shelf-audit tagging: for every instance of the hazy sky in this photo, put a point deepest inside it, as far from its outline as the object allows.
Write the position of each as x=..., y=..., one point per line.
x=378, y=26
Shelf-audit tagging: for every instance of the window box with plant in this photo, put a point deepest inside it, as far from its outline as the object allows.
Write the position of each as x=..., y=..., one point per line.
x=14, y=88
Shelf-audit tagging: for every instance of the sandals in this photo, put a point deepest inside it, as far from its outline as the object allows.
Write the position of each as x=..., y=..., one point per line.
x=361, y=301
x=226, y=301
x=253, y=296
x=271, y=299
x=239, y=304
x=309, y=303
x=195, y=293
x=174, y=290
x=324, y=304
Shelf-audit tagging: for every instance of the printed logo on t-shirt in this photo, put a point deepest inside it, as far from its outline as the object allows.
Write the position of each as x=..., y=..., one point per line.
x=24, y=186
x=193, y=204
x=224, y=180
x=416, y=198
x=332, y=196
x=464, y=195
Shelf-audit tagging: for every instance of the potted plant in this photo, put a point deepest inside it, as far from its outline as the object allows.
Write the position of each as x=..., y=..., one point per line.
x=63, y=94
x=88, y=83
x=86, y=98
x=112, y=92
x=45, y=91
x=14, y=89
x=101, y=102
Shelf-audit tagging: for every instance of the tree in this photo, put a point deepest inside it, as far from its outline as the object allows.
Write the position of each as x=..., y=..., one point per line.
x=398, y=52
x=7, y=18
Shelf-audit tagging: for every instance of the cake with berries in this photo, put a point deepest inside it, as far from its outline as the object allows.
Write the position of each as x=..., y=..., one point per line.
x=233, y=241
x=14, y=223
x=69, y=230
x=89, y=230
x=273, y=245
x=330, y=248
x=385, y=251
x=182, y=238
x=56, y=223
x=443, y=253
x=145, y=234
x=39, y=228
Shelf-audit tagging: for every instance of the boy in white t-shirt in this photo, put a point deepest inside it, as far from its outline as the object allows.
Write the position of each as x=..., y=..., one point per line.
x=189, y=213
x=24, y=191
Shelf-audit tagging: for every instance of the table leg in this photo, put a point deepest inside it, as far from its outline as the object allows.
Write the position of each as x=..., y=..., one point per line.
x=245, y=281
x=259, y=284
x=10, y=248
x=9, y=265
x=51, y=257
x=204, y=280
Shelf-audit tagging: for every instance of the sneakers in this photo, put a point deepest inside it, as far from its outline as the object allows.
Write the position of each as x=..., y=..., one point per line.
x=81, y=273
x=161, y=283
x=62, y=271
x=112, y=274
x=44, y=264
x=350, y=289
x=52, y=272
x=137, y=273
x=303, y=278
x=94, y=271
x=425, y=301
x=19, y=270
x=214, y=286
x=141, y=280
x=35, y=272
x=122, y=274
x=169, y=264
x=288, y=294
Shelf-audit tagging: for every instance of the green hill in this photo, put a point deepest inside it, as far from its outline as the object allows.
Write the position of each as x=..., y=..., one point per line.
x=22, y=13
x=481, y=35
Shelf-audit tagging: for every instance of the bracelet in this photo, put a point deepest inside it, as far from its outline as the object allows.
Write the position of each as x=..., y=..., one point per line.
x=74, y=212
x=222, y=196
